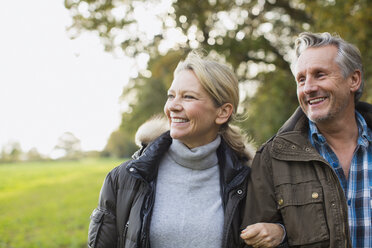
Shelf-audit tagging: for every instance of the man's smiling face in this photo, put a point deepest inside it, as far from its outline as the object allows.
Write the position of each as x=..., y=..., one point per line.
x=323, y=92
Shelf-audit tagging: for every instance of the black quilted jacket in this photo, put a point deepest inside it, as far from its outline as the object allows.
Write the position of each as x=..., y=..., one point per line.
x=122, y=218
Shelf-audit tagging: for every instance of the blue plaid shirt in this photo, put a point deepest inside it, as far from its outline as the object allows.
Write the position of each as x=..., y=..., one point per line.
x=358, y=187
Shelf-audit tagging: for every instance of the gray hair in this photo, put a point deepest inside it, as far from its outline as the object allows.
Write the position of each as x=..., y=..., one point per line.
x=348, y=57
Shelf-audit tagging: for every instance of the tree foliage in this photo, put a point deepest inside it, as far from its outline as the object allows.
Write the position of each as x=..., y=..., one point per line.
x=351, y=19
x=70, y=146
x=147, y=94
x=254, y=36
x=119, y=145
x=11, y=152
x=34, y=155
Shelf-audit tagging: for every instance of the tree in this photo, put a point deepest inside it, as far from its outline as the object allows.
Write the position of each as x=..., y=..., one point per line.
x=70, y=145
x=254, y=36
x=11, y=152
x=351, y=19
x=148, y=94
x=34, y=155
x=119, y=145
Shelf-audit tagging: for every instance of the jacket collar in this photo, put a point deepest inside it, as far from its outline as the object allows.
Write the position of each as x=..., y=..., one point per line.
x=233, y=168
x=365, y=109
x=299, y=122
x=145, y=166
x=291, y=142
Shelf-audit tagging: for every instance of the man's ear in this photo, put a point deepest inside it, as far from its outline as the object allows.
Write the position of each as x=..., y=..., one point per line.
x=356, y=80
x=224, y=113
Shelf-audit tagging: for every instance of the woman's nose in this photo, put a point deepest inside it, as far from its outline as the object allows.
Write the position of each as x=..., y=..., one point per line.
x=175, y=104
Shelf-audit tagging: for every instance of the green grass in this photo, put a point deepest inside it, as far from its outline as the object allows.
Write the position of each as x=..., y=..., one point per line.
x=48, y=204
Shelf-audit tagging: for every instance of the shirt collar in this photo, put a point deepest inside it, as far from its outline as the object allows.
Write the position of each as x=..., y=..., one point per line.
x=365, y=134
x=364, y=137
x=315, y=135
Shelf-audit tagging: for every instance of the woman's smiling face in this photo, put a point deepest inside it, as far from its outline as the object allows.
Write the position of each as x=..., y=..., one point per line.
x=191, y=111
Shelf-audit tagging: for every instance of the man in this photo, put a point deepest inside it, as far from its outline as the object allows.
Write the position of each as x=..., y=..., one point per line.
x=315, y=175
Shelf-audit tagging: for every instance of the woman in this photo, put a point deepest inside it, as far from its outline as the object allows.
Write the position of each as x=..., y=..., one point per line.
x=185, y=188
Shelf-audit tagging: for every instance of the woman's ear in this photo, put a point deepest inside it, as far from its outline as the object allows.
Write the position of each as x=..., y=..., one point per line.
x=224, y=113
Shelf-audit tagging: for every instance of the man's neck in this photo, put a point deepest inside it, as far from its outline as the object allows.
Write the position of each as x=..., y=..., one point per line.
x=342, y=137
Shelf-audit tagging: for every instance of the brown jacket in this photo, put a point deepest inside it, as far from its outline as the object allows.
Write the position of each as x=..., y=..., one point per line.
x=291, y=183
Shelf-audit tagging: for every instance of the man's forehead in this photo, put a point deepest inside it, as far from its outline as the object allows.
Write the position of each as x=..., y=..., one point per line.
x=316, y=57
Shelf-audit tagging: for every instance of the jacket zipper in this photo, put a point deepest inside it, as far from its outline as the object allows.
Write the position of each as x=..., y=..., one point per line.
x=123, y=237
x=226, y=234
x=125, y=231
x=339, y=188
x=344, y=214
x=147, y=214
x=142, y=240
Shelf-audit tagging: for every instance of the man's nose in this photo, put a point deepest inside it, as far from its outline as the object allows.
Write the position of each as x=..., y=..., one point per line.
x=310, y=86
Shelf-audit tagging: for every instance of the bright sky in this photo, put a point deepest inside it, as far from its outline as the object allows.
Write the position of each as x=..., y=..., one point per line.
x=50, y=84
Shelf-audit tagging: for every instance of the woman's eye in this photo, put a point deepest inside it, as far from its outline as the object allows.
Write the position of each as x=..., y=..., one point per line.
x=189, y=97
x=170, y=96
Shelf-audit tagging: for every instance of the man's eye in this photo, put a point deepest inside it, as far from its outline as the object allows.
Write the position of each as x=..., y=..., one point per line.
x=189, y=97
x=300, y=80
x=320, y=74
x=170, y=96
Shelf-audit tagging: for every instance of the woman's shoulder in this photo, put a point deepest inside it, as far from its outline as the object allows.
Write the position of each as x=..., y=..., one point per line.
x=119, y=171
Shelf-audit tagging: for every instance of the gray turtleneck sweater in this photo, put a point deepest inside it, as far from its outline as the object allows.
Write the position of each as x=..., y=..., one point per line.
x=188, y=207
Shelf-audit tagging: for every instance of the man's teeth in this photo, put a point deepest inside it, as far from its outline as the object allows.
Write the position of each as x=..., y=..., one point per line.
x=316, y=100
x=177, y=120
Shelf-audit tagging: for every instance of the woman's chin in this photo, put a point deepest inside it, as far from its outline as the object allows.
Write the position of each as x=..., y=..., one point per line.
x=175, y=134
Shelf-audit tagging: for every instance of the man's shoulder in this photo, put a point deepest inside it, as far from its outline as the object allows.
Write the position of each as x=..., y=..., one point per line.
x=365, y=109
x=266, y=144
x=289, y=145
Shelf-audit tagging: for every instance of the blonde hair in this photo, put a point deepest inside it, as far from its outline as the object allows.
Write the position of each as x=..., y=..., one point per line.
x=222, y=85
